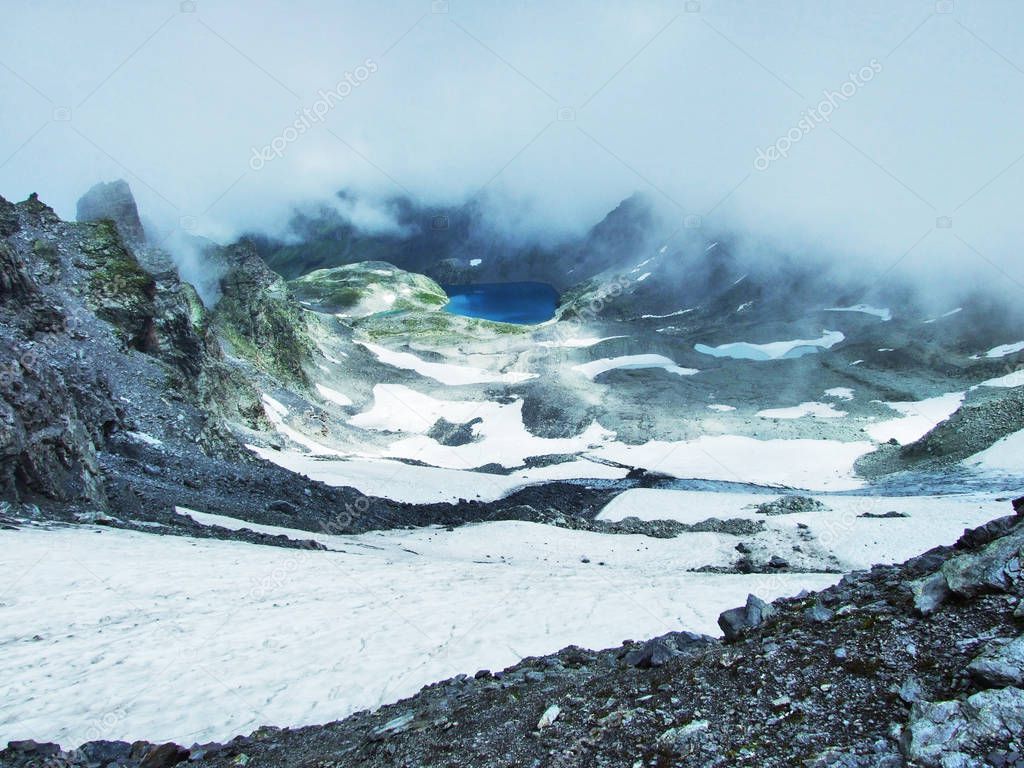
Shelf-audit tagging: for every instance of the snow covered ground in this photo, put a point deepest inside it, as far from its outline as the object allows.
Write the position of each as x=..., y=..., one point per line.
x=120, y=635
x=857, y=542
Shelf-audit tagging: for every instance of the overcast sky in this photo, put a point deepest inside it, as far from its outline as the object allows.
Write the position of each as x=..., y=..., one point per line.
x=557, y=108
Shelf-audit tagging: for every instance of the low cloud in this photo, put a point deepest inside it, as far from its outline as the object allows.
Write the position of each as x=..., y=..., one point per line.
x=550, y=112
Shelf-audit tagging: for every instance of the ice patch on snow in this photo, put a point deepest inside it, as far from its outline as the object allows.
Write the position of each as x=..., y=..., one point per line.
x=776, y=350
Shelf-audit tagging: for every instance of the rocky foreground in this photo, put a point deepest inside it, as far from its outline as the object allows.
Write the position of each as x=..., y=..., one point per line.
x=918, y=664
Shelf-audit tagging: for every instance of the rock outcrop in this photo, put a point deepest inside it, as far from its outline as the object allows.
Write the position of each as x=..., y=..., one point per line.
x=113, y=201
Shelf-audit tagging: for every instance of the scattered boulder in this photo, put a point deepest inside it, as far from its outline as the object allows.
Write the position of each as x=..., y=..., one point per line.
x=548, y=718
x=682, y=740
x=736, y=621
x=283, y=506
x=943, y=733
x=657, y=651
x=164, y=756
x=1000, y=664
x=451, y=434
x=789, y=505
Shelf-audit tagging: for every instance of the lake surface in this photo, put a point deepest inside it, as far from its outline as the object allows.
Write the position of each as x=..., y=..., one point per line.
x=524, y=303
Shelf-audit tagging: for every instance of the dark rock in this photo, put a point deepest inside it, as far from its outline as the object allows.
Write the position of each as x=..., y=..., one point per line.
x=284, y=506
x=106, y=752
x=9, y=223
x=113, y=201
x=818, y=613
x=788, y=505
x=164, y=756
x=736, y=621
x=32, y=747
x=448, y=433
x=1000, y=664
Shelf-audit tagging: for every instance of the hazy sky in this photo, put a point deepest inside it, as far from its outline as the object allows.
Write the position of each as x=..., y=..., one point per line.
x=558, y=109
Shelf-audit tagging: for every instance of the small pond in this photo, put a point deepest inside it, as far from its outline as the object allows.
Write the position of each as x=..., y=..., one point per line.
x=525, y=303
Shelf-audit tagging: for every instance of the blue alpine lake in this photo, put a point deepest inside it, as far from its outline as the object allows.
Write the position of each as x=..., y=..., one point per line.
x=524, y=303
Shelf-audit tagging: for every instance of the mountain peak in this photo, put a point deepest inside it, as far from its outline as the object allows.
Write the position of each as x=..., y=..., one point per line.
x=113, y=200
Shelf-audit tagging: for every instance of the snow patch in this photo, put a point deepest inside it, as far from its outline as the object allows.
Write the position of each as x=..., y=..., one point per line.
x=918, y=419
x=1014, y=379
x=885, y=315
x=1005, y=349
x=631, y=362
x=1005, y=455
x=839, y=393
x=578, y=343
x=857, y=542
x=814, y=409
x=810, y=464
x=445, y=373
x=776, y=350
x=333, y=395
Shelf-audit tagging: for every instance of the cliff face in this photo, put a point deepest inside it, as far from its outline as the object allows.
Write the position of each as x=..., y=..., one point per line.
x=101, y=339
x=113, y=201
x=259, y=318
